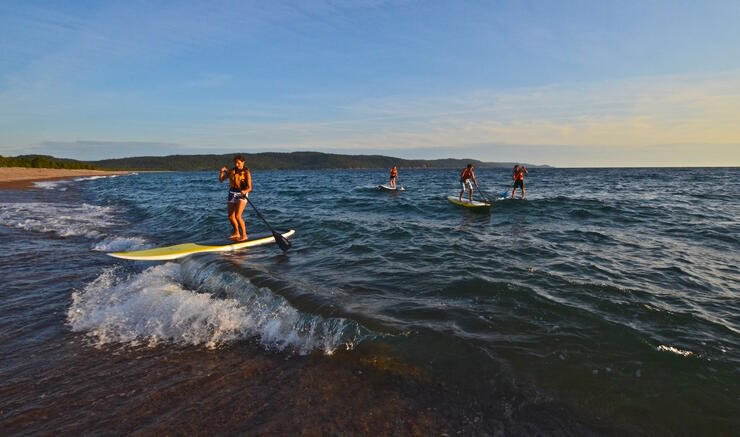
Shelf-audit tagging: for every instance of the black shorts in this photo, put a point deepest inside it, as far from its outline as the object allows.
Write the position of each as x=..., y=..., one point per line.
x=519, y=184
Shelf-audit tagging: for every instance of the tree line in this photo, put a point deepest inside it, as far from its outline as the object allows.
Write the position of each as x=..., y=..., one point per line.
x=256, y=161
x=41, y=161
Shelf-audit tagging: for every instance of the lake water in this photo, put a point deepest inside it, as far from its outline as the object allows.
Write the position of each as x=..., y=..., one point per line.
x=607, y=302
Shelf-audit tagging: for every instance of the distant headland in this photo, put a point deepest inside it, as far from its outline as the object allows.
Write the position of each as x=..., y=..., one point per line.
x=256, y=161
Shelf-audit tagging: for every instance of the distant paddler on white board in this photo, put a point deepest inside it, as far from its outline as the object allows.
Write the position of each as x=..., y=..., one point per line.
x=240, y=184
x=394, y=177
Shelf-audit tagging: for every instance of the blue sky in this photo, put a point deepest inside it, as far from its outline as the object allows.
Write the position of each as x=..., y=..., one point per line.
x=565, y=83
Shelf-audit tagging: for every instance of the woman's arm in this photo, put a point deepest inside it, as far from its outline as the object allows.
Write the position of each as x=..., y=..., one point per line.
x=223, y=174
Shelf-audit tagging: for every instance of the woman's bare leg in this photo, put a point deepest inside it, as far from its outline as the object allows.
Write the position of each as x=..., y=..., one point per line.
x=238, y=214
x=232, y=219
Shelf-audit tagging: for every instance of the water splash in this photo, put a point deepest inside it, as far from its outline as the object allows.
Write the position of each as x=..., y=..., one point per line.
x=156, y=306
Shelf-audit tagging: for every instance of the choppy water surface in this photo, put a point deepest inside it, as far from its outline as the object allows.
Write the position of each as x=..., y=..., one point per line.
x=609, y=301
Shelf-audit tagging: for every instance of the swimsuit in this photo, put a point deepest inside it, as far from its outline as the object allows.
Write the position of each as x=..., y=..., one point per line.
x=237, y=178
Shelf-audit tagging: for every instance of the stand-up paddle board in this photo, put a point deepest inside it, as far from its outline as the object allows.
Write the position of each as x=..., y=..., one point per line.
x=181, y=250
x=387, y=188
x=467, y=203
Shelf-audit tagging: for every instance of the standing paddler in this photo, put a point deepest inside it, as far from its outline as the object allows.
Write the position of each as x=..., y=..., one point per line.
x=465, y=181
x=518, y=176
x=240, y=184
x=394, y=177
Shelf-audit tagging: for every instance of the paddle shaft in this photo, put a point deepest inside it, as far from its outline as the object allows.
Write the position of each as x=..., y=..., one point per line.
x=484, y=194
x=279, y=239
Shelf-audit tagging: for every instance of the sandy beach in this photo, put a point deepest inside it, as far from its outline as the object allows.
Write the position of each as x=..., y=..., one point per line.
x=22, y=177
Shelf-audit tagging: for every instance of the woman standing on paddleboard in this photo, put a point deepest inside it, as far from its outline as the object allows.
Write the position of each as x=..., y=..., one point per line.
x=394, y=177
x=240, y=184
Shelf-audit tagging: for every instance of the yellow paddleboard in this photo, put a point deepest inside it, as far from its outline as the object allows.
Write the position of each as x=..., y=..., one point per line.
x=181, y=250
x=467, y=203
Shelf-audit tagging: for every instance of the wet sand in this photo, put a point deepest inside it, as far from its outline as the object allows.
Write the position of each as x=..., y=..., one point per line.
x=23, y=178
x=242, y=389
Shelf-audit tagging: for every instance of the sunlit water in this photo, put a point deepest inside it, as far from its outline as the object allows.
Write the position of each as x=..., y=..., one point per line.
x=610, y=297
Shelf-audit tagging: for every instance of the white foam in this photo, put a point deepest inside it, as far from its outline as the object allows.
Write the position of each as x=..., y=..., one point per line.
x=92, y=178
x=677, y=351
x=50, y=185
x=155, y=306
x=60, y=219
x=120, y=244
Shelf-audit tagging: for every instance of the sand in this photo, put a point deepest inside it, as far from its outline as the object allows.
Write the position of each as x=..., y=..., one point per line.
x=23, y=178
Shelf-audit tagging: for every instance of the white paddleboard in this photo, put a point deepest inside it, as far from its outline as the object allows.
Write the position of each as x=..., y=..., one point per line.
x=467, y=203
x=387, y=188
x=182, y=250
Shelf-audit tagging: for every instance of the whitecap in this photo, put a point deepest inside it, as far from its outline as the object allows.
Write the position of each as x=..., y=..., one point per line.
x=50, y=185
x=120, y=244
x=684, y=353
x=62, y=220
x=155, y=306
x=92, y=178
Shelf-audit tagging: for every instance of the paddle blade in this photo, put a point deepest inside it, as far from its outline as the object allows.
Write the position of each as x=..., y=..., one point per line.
x=281, y=241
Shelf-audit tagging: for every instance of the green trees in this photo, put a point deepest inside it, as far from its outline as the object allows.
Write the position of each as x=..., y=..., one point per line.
x=41, y=161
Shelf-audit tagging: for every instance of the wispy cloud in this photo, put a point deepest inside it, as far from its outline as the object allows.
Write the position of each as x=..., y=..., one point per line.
x=625, y=113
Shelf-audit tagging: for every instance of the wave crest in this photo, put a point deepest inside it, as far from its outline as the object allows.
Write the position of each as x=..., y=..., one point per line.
x=155, y=306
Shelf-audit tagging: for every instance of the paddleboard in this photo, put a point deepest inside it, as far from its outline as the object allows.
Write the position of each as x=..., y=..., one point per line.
x=467, y=203
x=182, y=250
x=387, y=188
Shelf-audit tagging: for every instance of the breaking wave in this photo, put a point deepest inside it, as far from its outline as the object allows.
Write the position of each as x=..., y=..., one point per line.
x=62, y=220
x=171, y=303
x=120, y=244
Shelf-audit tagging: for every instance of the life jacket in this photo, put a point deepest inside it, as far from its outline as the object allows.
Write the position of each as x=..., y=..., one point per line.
x=519, y=175
x=238, y=179
x=466, y=174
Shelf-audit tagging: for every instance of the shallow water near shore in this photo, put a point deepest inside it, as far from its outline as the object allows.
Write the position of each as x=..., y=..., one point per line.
x=607, y=302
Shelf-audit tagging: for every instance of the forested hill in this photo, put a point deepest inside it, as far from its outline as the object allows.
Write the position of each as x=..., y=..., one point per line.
x=43, y=161
x=283, y=161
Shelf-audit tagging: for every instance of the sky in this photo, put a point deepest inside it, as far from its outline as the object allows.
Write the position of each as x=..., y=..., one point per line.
x=565, y=83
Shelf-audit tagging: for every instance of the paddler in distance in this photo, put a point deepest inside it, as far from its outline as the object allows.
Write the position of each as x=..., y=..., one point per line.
x=518, y=176
x=465, y=177
x=394, y=177
x=240, y=184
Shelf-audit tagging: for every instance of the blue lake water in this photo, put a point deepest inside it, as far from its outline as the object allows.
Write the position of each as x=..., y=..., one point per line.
x=607, y=302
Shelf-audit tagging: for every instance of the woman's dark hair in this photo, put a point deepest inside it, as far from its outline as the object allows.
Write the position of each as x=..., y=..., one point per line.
x=239, y=158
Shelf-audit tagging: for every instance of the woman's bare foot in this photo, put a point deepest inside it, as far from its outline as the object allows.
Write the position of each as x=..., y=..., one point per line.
x=242, y=239
x=234, y=236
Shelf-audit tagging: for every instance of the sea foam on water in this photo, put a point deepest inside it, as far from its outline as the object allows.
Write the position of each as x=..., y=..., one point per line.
x=154, y=306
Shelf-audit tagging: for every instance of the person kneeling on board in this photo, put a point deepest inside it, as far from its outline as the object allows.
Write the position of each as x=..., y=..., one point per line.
x=518, y=176
x=394, y=177
x=240, y=184
x=465, y=177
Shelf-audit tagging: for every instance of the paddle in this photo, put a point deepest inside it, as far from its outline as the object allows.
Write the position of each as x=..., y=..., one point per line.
x=505, y=194
x=279, y=239
x=488, y=198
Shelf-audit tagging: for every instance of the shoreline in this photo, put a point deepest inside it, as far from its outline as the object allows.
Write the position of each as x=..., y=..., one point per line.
x=23, y=178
